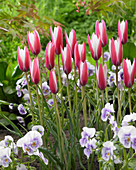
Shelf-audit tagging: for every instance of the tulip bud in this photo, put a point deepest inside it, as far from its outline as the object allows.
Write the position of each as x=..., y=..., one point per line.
x=71, y=40
x=57, y=38
x=49, y=55
x=129, y=72
x=123, y=31
x=23, y=58
x=100, y=29
x=34, y=71
x=53, y=82
x=79, y=53
x=34, y=42
x=101, y=75
x=115, y=49
x=66, y=59
x=83, y=73
x=95, y=46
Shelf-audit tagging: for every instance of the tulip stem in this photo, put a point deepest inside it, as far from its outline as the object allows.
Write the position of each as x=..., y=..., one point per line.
x=60, y=91
x=41, y=92
x=58, y=131
x=129, y=96
x=69, y=99
x=97, y=96
x=60, y=128
x=30, y=98
x=121, y=80
x=75, y=86
x=41, y=120
x=103, y=98
x=119, y=107
x=103, y=65
x=84, y=105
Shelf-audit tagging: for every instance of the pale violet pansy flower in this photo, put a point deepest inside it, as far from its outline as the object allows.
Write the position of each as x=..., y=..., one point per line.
x=38, y=128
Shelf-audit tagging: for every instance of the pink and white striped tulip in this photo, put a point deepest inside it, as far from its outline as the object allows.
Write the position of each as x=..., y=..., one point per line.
x=49, y=55
x=79, y=53
x=83, y=73
x=23, y=58
x=101, y=75
x=57, y=38
x=66, y=59
x=34, y=71
x=115, y=49
x=34, y=42
x=100, y=30
x=123, y=31
x=95, y=46
x=53, y=82
x=71, y=40
x=129, y=72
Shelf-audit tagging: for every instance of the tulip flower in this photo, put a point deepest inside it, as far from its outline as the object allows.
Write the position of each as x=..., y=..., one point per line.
x=115, y=49
x=95, y=46
x=100, y=29
x=34, y=70
x=57, y=38
x=83, y=73
x=129, y=72
x=23, y=58
x=53, y=82
x=34, y=42
x=123, y=31
x=66, y=59
x=101, y=74
x=79, y=53
x=49, y=55
x=71, y=40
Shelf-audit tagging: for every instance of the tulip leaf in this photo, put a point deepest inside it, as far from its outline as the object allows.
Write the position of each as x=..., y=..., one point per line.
x=17, y=72
x=129, y=50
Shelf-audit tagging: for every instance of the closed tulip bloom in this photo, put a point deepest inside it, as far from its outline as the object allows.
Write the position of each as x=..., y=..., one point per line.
x=71, y=40
x=34, y=70
x=115, y=49
x=23, y=58
x=66, y=59
x=83, y=73
x=123, y=31
x=34, y=42
x=101, y=74
x=95, y=46
x=57, y=38
x=53, y=82
x=79, y=53
x=129, y=72
x=100, y=29
x=49, y=55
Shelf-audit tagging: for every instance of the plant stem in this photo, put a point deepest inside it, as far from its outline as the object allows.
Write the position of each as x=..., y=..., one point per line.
x=60, y=90
x=75, y=87
x=103, y=65
x=97, y=100
x=69, y=99
x=102, y=55
x=129, y=96
x=31, y=105
x=58, y=131
x=84, y=105
x=60, y=128
x=121, y=80
x=42, y=92
x=103, y=98
x=119, y=107
x=41, y=120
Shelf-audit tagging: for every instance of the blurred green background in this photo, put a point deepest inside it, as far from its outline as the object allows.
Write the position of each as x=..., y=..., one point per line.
x=17, y=17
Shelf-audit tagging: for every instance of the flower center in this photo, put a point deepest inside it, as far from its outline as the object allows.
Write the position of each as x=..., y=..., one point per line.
x=34, y=144
x=108, y=153
x=128, y=139
x=27, y=149
x=6, y=160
